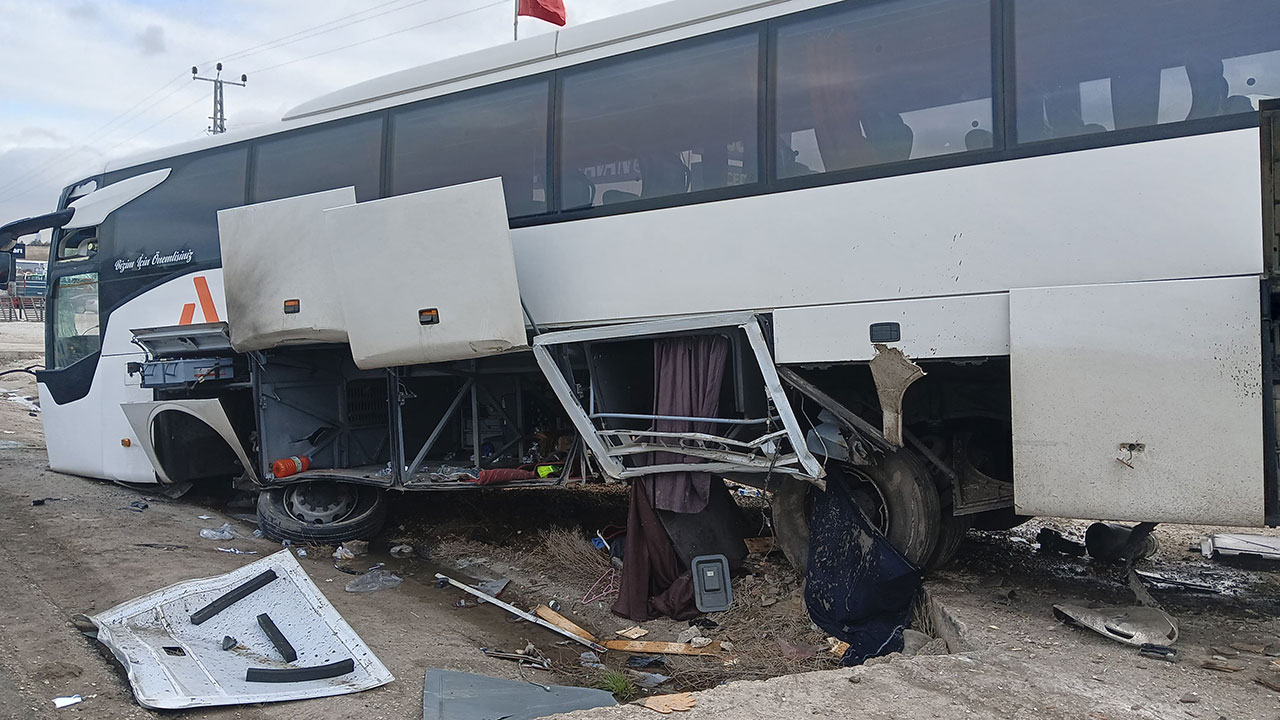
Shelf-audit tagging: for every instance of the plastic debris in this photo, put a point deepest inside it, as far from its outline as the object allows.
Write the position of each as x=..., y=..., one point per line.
x=137, y=506
x=1259, y=546
x=61, y=702
x=403, y=551
x=302, y=552
x=357, y=547
x=221, y=533
x=235, y=551
x=590, y=660
x=205, y=517
x=700, y=642
x=342, y=554
x=645, y=661
x=647, y=679
x=688, y=634
x=258, y=534
x=377, y=578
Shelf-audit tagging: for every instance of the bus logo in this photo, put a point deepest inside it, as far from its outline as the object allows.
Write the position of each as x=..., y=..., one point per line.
x=206, y=303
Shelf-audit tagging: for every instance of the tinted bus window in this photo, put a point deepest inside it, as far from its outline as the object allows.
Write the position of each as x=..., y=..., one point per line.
x=673, y=121
x=323, y=158
x=881, y=83
x=1089, y=66
x=175, y=223
x=489, y=133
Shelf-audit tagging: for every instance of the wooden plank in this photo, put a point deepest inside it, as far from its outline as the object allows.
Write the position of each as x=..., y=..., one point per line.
x=662, y=648
x=562, y=622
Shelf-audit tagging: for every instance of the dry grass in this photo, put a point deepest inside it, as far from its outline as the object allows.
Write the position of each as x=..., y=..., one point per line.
x=566, y=555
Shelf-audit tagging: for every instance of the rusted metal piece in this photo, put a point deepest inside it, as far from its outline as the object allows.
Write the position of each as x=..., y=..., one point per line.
x=893, y=373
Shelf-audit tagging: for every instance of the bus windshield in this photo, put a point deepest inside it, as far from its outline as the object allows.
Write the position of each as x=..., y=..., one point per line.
x=75, y=319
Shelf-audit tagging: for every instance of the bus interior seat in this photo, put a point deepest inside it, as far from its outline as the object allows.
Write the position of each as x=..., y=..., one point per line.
x=613, y=197
x=663, y=174
x=891, y=137
x=978, y=139
x=1209, y=88
x=576, y=190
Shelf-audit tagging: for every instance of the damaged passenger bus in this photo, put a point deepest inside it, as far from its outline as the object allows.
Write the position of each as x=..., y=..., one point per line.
x=979, y=259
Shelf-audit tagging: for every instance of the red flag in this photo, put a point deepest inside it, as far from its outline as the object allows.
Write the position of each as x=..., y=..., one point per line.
x=550, y=10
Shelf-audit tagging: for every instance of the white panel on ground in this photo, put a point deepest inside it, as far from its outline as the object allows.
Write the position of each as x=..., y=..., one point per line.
x=945, y=327
x=444, y=250
x=270, y=254
x=1170, y=368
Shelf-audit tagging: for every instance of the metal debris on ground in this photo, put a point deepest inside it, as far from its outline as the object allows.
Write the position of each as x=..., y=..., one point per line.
x=452, y=695
x=235, y=551
x=200, y=675
x=403, y=551
x=525, y=658
x=1132, y=625
x=688, y=634
x=1159, y=652
x=1236, y=544
x=61, y=702
x=667, y=704
x=445, y=580
x=492, y=587
x=137, y=506
x=229, y=642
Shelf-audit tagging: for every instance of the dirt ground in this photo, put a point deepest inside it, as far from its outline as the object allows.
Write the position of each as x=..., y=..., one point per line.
x=87, y=551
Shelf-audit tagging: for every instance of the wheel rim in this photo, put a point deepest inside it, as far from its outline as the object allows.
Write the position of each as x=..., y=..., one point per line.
x=321, y=503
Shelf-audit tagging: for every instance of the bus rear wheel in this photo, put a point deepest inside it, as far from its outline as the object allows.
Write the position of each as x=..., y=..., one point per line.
x=321, y=512
x=896, y=495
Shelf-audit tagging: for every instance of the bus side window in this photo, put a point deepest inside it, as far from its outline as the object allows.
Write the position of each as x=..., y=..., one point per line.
x=669, y=121
x=1100, y=65
x=868, y=84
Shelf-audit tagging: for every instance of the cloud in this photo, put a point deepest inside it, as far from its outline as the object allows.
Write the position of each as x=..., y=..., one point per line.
x=111, y=90
x=151, y=40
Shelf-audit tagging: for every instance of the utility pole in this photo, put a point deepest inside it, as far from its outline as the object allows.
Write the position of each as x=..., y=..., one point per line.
x=219, y=116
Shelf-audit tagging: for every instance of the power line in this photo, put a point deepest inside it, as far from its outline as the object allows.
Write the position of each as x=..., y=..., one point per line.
x=379, y=37
x=307, y=34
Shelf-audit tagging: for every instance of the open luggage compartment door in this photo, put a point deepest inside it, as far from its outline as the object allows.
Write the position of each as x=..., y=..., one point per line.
x=758, y=437
x=434, y=277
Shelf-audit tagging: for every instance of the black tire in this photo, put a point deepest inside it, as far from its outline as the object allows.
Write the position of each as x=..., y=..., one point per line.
x=367, y=513
x=897, y=496
x=904, y=504
x=954, y=528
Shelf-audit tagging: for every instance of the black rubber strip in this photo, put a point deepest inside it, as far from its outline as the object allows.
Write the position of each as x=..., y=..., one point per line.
x=277, y=638
x=233, y=596
x=319, y=672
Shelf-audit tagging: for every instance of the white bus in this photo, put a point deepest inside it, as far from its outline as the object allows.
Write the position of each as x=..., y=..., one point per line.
x=1052, y=220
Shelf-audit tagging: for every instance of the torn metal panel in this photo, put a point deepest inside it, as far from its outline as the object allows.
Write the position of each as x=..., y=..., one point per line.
x=173, y=664
x=142, y=416
x=893, y=374
x=452, y=695
x=762, y=454
x=1134, y=625
x=1262, y=546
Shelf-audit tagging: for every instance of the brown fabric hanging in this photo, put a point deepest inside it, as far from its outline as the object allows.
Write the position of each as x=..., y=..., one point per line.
x=653, y=582
x=687, y=375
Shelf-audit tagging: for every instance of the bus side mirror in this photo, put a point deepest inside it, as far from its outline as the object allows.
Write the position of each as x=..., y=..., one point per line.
x=8, y=269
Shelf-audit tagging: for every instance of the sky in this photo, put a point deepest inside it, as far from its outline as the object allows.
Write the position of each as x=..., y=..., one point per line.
x=86, y=80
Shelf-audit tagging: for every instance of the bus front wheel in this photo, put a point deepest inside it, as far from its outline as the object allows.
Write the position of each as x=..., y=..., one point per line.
x=321, y=512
